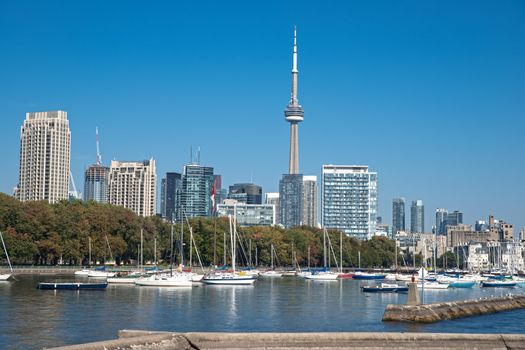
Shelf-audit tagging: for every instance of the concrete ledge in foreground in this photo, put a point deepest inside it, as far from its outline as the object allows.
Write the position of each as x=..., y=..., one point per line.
x=429, y=313
x=142, y=340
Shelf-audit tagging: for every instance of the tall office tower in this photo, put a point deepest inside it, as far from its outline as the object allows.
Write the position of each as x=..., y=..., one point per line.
x=441, y=221
x=291, y=200
x=417, y=217
x=170, y=197
x=247, y=193
x=310, y=201
x=45, y=152
x=197, y=191
x=349, y=199
x=133, y=185
x=455, y=218
x=273, y=199
x=294, y=114
x=398, y=215
x=96, y=179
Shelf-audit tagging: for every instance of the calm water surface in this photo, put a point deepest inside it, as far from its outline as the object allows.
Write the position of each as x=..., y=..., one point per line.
x=32, y=319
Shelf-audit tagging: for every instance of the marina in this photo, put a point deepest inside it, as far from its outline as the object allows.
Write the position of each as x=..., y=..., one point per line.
x=34, y=319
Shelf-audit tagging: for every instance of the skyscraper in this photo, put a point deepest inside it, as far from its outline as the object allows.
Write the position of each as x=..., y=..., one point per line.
x=455, y=218
x=197, y=186
x=294, y=114
x=310, y=200
x=398, y=215
x=133, y=185
x=96, y=179
x=170, y=199
x=291, y=200
x=441, y=221
x=45, y=152
x=349, y=199
x=247, y=193
x=417, y=217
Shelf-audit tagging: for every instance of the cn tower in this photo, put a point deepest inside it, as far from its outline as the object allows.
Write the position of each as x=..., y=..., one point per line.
x=294, y=114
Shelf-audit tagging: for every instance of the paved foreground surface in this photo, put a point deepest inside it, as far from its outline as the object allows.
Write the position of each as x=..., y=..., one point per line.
x=143, y=340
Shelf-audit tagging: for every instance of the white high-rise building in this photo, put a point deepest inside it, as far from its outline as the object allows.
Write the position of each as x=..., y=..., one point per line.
x=133, y=185
x=273, y=198
x=45, y=154
x=310, y=200
x=349, y=199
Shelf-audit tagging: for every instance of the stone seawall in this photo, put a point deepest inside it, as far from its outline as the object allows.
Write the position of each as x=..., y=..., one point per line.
x=142, y=340
x=429, y=313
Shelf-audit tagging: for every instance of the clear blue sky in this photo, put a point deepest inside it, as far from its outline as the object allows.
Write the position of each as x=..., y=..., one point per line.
x=430, y=94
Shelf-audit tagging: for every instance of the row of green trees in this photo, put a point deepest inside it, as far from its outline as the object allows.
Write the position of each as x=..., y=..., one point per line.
x=49, y=234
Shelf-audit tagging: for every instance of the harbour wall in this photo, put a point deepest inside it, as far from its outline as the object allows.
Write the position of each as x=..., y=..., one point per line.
x=143, y=340
x=429, y=313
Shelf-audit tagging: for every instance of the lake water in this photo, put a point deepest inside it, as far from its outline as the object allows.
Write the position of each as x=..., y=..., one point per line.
x=32, y=319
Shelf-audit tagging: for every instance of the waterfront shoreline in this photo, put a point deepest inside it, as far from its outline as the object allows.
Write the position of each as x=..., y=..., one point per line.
x=145, y=340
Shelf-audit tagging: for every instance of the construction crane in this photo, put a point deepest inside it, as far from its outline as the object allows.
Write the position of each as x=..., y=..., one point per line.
x=73, y=193
x=99, y=157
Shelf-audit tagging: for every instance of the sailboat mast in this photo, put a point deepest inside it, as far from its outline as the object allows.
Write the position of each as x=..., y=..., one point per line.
x=171, y=248
x=191, y=246
x=89, y=244
x=182, y=242
x=341, y=250
x=141, y=248
x=224, y=246
x=324, y=247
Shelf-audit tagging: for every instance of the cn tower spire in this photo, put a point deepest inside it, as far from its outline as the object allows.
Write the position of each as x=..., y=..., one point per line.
x=294, y=114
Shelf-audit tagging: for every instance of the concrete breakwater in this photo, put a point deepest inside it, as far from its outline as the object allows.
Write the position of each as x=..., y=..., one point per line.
x=429, y=313
x=142, y=340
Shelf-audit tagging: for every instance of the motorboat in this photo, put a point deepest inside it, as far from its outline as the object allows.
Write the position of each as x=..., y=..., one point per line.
x=368, y=276
x=385, y=288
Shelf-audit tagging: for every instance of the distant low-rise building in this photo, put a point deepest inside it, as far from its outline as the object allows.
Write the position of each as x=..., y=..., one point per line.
x=248, y=214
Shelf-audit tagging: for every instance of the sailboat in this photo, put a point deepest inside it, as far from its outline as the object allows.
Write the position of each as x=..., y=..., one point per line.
x=171, y=279
x=272, y=272
x=6, y=276
x=326, y=274
x=85, y=271
x=101, y=271
x=230, y=278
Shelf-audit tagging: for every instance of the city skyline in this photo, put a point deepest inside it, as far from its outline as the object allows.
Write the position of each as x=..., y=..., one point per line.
x=472, y=88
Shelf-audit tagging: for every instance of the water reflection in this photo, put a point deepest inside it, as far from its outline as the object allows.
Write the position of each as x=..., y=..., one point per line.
x=33, y=319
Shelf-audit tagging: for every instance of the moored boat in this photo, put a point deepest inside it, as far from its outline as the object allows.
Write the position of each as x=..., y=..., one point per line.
x=432, y=285
x=385, y=288
x=71, y=286
x=368, y=276
x=270, y=273
x=322, y=276
x=228, y=278
x=498, y=283
x=166, y=280
x=462, y=284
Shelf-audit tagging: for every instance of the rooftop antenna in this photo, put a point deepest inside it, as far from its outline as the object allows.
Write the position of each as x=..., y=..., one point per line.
x=99, y=157
x=191, y=154
x=199, y=155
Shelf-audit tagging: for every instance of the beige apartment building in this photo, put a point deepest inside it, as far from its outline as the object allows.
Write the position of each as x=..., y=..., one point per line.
x=45, y=155
x=132, y=185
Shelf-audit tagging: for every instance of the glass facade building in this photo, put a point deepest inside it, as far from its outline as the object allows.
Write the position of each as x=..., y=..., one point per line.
x=310, y=201
x=349, y=200
x=398, y=215
x=247, y=193
x=417, y=217
x=291, y=200
x=196, y=197
x=170, y=198
x=96, y=179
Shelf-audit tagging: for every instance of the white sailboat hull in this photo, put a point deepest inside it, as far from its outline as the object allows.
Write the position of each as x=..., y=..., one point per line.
x=165, y=281
x=322, y=276
x=122, y=280
x=4, y=276
x=271, y=274
x=101, y=274
x=82, y=272
x=431, y=285
x=228, y=279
